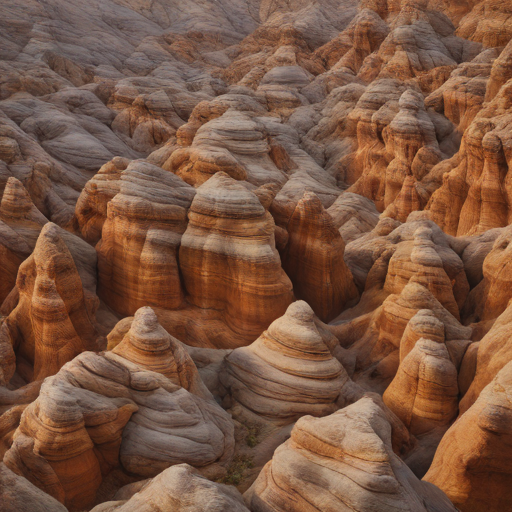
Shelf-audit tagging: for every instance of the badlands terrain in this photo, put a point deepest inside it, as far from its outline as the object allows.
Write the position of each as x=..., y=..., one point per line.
x=255, y=255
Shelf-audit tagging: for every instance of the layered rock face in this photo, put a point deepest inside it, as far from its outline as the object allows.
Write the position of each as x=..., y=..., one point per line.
x=490, y=297
x=492, y=355
x=474, y=455
x=179, y=489
x=92, y=205
x=19, y=494
x=256, y=243
x=314, y=260
x=349, y=460
x=137, y=254
x=148, y=344
x=228, y=258
x=54, y=319
x=476, y=186
x=294, y=354
x=424, y=392
x=111, y=411
x=20, y=225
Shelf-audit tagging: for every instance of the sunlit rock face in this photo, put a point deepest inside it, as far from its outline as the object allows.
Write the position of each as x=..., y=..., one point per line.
x=296, y=355
x=322, y=448
x=229, y=260
x=255, y=244
x=54, y=319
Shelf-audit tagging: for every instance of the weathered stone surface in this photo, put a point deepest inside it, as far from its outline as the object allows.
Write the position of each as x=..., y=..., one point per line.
x=54, y=319
x=228, y=258
x=289, y=371
x=344, y=460
x=474, y=456
x=110, y=412
x=207, y=183
x=313, y=259
x=20, y=225
x=179, y=489
x=424, y=392
x=19, y=495
x=149, y=345
x=138, y=251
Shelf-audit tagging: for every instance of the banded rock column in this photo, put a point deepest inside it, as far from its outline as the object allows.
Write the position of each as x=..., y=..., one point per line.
x=137, y=255
x=314, y=260
x=229, y=260
x=55, y=317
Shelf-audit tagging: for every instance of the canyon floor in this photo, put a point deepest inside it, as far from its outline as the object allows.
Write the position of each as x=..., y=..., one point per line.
x=255, y=255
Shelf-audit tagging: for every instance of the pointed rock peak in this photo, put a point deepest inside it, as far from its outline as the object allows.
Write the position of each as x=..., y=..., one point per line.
x=312, y=200
x=414, y=294
x=297, y=331
x=146, y=333
x=51, y=254
x=148, y=345
x=411, y=100
x=310, y=210
x=301, y=312
x=17, y=203
x=223, y=196
x=426, y=322
x=424, y=392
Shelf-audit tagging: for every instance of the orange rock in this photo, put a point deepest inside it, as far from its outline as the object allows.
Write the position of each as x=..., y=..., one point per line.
x=91, y=207
x=424, y=392
x=475, y=190
x=228, y=258
x=55, y=316
x=149, y=345
x=137, y=255
x=313, y=259
x=494, y=352
x=473, y=456
x=294, y=355
x=20, y=224
x=101, y=411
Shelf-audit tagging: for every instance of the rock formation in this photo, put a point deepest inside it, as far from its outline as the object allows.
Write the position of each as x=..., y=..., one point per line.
x=476, y=186
x=349, y=459
x=19, y=495
x=424, y=392
x=473, y=457
x=295, y=354
x=228, y=258
x=224, y=221
x=313, y=260
x=137, y=254
x=91, y=207
x=20, y=225
x=54, y=319
x=110, y=412
x=490, y=297
x=177, y=489
x=492, y=355
x=149, y=345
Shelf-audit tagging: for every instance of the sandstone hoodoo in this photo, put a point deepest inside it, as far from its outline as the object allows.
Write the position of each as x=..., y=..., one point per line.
x=255, y=255
x=289, y=371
